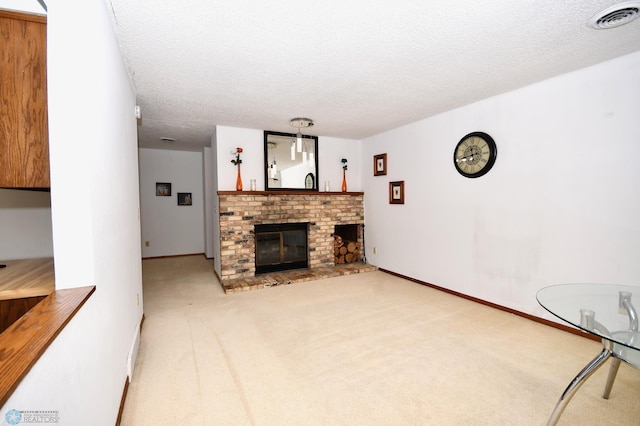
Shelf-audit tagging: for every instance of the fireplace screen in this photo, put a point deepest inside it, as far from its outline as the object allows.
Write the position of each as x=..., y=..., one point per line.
x=281, y=247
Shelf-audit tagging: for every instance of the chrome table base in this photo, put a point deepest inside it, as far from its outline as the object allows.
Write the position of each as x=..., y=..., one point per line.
x=583, y=375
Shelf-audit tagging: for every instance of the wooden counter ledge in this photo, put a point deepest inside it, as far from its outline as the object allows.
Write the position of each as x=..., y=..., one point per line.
x=22, y=344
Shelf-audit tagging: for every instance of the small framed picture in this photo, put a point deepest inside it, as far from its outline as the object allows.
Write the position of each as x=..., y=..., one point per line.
x=163, y=189
x=380, y=164
x=184, y=199
x=396, y=192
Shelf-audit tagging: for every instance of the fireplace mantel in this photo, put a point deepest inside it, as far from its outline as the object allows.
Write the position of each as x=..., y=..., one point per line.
x=240, y=211
x=288, y=192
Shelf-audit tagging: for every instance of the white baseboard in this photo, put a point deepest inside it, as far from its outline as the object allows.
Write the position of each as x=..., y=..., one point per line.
x=133, y=352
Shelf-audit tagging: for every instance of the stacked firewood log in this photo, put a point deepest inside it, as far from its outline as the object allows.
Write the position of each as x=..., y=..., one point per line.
x=345, y=251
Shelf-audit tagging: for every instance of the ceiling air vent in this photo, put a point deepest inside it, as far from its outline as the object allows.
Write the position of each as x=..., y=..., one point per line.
x=616, y=15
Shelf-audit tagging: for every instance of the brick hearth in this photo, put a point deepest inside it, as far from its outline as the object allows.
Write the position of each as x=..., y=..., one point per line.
x=241, y=211
x=274, y=279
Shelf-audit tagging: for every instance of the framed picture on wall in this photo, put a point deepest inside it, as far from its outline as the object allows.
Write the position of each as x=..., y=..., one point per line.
x=184, y=198
x=163, y=189
x=396, y=192
x=380, y=164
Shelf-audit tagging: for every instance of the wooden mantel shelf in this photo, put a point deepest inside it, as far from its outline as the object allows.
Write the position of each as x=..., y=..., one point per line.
x=289, y=192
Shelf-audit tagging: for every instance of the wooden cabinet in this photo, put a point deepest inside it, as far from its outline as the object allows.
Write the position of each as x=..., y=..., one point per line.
x=24, y=133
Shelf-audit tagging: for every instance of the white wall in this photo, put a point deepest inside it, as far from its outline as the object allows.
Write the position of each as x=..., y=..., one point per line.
x=560, y=205
x=169, y=228
x=25, y=224
x=212, y=186
x=30, y=6
x=95, y=218
x=210, y=207
x=252, y=143
x=330, y=152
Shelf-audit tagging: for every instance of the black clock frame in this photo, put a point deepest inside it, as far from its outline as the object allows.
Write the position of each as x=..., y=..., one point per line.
x=493, y=153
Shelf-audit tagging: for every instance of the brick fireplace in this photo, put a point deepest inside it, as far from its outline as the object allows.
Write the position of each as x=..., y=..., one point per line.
x=241, y=211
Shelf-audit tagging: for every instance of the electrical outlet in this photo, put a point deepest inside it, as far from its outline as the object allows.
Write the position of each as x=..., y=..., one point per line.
x=146, y=243
x=375, y=250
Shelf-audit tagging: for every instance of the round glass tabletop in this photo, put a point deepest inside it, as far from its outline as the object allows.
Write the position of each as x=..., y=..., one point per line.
x=605, y=310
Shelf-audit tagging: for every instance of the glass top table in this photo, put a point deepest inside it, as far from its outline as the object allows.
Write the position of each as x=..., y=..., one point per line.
x=604, y=310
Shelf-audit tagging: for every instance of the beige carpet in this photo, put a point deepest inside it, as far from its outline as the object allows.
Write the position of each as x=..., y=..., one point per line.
x=364, y=349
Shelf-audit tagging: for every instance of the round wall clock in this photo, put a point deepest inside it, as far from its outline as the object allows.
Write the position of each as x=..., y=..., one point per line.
x=475, y=154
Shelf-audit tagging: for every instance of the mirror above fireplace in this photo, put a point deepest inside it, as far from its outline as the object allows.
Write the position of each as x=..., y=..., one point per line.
x=290, y=164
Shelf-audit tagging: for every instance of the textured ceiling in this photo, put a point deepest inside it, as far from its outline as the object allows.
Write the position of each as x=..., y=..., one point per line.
x=356, y=67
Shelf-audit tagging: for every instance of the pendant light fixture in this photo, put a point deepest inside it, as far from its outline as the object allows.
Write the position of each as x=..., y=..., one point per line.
x=300, y=123
x=304, y=152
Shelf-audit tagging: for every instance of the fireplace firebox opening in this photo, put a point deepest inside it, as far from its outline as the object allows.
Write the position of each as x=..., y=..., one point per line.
x=281, y=246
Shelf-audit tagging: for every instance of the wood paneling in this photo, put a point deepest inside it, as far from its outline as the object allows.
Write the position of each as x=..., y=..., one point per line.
x=24, y=133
